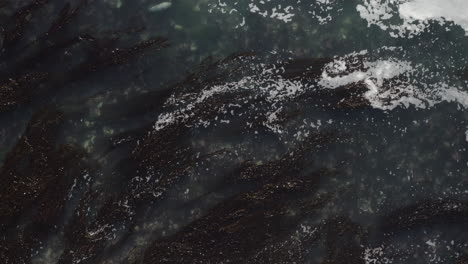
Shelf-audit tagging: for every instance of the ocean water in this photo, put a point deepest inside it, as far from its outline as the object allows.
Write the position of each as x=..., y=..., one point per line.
x=216, y=131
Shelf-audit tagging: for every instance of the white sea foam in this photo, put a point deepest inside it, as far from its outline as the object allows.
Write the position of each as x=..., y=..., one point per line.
x=390, y=82
x=401, y=18
x=269, y=91
x=414, y=15
x=286, y=11
x=424, y=10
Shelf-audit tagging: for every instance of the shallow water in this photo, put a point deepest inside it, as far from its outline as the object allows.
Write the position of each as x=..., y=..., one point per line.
x=325, y=131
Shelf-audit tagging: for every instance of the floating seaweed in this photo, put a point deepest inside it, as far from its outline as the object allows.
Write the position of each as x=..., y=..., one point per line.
x=37, y=178
x=236, y=229
x=425, y=214
x=253, y=152
x=39, y=175
x=33, y=72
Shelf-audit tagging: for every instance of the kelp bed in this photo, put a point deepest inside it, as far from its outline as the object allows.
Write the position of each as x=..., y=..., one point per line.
x=104, y=173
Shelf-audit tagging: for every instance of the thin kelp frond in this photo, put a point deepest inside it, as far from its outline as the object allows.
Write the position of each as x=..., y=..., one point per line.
x=117, y=56
x=65, y=16
x=425, y=214
x=21, y=90
x=291, y=163
x=14, y=30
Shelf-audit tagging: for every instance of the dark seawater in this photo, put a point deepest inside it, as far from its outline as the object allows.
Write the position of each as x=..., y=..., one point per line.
x=187, y=131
